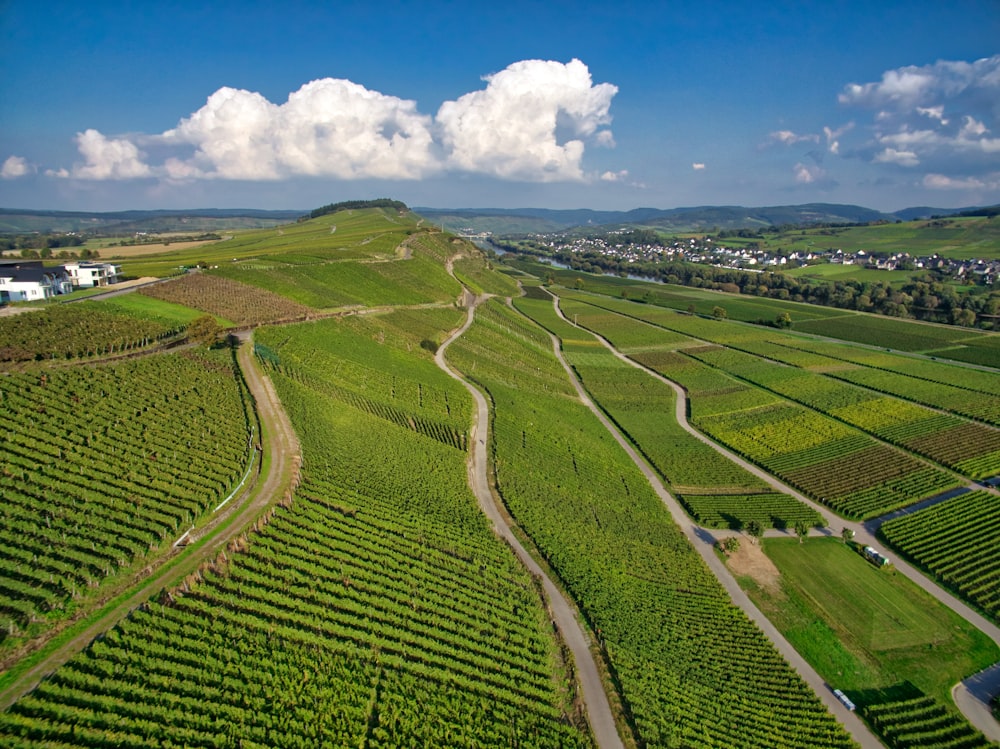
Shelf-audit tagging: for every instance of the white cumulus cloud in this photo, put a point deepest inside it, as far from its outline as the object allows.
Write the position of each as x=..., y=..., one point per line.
x=935, y=113
x=531, y=122
x=106, y=158
x=944, y=182
x=807, y=174
x=698, y=166
x=615, y=176
x=14, y=167
x=511, y=129
x=790, y=138
x=910, y=125
x=892, y=156
x=329, y=127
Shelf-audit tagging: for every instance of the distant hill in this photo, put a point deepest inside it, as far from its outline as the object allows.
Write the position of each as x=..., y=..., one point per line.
x=919, y=212
x=16, y=220
x=700, y=218
x=692, y=219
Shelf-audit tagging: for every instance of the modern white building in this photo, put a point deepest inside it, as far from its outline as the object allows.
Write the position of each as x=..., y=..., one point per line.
x=85, y=275
x=30, y=281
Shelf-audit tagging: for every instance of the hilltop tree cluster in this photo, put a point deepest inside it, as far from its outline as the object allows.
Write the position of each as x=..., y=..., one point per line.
x=356, y=205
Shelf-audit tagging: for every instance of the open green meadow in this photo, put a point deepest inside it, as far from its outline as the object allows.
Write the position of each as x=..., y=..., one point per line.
x=869, y=631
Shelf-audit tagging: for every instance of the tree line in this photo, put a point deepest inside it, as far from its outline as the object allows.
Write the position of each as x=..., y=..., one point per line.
x=923, y=299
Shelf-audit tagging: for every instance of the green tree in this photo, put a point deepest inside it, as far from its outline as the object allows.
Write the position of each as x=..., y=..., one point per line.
x=964, y=317
x=846, y=534
x=204, y=329
x=719, y=313
x=784, y=320
x=754, y=529
x=801, y=529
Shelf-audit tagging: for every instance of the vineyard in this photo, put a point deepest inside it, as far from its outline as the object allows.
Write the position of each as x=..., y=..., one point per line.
x=103, y=466
x=684, y=655
x=966, y=447
x=922, y=721
x=821, y=457
x=854, y=394
x=953, y=541
x=715, y=491
x=77, y=331
x=233, y=301
x=378, y=610
x=943, y=341
x=375, y=606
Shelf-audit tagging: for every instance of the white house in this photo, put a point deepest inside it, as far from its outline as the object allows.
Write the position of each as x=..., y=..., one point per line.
x=29, y=281
x=85, y=275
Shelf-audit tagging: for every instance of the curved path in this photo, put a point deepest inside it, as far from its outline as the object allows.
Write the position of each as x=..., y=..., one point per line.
x=703, y=543
x=972, y=695
x=279, y=444
x=595, y=700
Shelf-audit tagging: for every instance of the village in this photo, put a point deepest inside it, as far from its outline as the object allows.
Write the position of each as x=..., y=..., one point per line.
x=705, y=250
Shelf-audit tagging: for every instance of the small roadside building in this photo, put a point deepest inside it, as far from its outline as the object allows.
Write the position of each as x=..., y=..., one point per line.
x=31, y=281
x=86, y=275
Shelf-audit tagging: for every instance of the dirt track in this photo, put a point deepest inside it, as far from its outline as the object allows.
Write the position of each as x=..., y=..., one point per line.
x=971, y=695
x=703, y=542
x=279, y=444
x=595, y=700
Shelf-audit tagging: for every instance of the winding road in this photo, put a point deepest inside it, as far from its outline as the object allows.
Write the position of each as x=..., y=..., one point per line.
x=598, y=709
x=703, y=543
x=971, y=695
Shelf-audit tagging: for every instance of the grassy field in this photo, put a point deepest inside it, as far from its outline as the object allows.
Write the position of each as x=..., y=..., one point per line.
x=865, y=628
x=959, y=238
x=839, y=272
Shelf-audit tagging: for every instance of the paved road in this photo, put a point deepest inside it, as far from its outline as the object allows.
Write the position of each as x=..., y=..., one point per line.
x=598, y=709
x=703, y=543
x=972, y=695
x=279, y=442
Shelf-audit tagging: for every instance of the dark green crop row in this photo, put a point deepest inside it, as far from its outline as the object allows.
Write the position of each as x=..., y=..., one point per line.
x=102, y=465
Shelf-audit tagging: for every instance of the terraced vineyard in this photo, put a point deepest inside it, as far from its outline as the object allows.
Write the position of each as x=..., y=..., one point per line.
x=954, y=541
x=376, y=607
x=715, y=491
x=378, y=610
x=818, y=455
x=944, y=341
x=101, y=466
x=821, y=382
x=684, y=655
x=966, y=447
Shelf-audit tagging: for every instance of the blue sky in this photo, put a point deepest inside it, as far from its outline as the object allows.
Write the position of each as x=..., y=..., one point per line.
x=121, y=105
